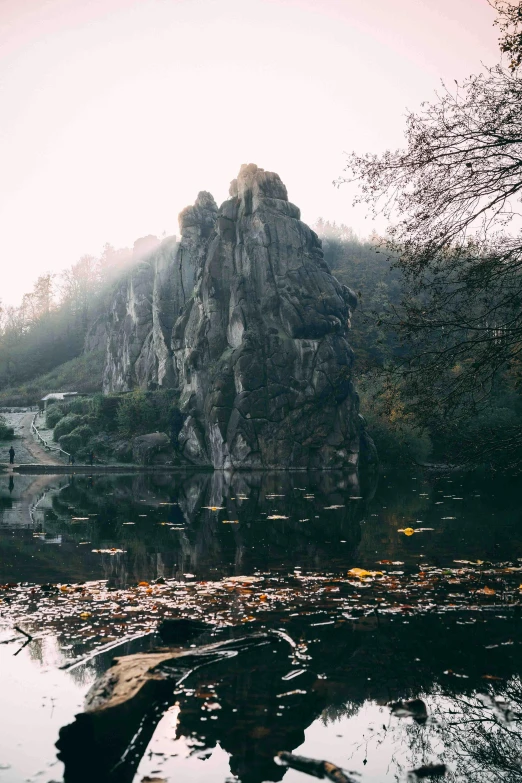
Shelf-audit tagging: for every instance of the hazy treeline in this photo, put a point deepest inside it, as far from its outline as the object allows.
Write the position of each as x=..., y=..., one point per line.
x=362, y=265
x=49, y=327
x=403, y=426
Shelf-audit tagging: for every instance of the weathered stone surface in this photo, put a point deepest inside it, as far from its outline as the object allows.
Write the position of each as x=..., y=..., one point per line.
x=146, y=448
x=148, y=303
x=245, y=319
x=97, y=336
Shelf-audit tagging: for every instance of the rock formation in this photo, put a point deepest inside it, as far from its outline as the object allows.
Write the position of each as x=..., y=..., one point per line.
x=245, y=320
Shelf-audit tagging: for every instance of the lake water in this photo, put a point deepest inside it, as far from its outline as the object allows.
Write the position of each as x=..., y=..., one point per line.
x=434, y=617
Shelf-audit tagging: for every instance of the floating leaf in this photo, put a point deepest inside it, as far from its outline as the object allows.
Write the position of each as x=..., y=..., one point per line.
x=362, y=573
x=112, y=551
x=408, y=531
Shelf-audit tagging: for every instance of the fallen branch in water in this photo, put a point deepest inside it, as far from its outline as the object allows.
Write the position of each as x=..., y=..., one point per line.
x=28, y=638
x=131, y=674
x=21, y=630
x=125, y=704
x=71, y=665
x=315, y=767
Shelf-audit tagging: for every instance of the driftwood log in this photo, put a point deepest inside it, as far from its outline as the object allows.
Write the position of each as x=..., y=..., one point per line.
x=106, y=741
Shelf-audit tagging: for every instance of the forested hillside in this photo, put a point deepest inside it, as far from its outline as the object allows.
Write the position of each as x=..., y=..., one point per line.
x=406, y=420
x=50, y=326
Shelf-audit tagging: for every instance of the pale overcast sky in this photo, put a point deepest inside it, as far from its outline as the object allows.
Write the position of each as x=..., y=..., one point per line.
x=115, y=113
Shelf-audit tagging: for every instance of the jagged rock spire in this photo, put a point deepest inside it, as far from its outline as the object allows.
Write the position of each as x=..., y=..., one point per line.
x=259, y=347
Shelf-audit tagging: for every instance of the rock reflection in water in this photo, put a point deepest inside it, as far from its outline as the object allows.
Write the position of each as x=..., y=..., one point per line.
x=204, y=523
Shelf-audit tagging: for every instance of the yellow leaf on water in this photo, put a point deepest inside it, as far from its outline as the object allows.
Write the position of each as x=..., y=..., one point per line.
x=85, y=615
x=408, y=531
x=362, y=573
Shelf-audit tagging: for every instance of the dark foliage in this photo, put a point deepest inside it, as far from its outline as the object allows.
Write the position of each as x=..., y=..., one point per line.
x=509, y=22
x=453, y=195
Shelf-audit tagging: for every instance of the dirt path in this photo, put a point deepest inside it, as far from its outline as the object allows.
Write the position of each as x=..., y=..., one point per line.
x=27, y=450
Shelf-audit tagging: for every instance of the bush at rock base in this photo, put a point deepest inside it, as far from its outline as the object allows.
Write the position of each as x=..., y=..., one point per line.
x=70, y=443
x=84, y=432
x=67, y=425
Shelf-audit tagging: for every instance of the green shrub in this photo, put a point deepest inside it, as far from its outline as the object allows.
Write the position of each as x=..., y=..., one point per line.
x=67, y=425
x=397, y=434
x=105, y=409
x=6, y=432
x=79, y=405
x=71, y=443
x=136, y=414
x=399, y=442
x=53, y=415
x=141, y=412
x=84, y=432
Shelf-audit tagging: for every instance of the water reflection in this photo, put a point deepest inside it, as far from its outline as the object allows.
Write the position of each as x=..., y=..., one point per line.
x=336, y=708
x=228, y=721
x=215, y=524
x=209, y=523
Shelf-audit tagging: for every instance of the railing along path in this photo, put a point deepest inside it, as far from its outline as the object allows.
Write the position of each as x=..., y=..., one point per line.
x=36, y=433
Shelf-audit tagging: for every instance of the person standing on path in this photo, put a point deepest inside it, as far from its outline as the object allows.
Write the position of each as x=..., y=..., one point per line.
x=11, y=455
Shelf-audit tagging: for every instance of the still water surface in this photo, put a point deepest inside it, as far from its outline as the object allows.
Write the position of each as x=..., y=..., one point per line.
x=227, y=722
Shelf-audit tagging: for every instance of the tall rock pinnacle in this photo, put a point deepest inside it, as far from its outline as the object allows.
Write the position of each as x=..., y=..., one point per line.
x=258, y=349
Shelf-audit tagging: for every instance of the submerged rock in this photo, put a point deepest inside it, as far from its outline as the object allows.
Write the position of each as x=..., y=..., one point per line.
x=245, y=319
